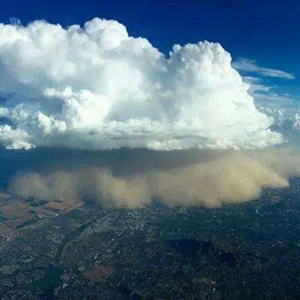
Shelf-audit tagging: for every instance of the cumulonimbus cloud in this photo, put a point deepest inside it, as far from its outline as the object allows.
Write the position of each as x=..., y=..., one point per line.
x=96, y=87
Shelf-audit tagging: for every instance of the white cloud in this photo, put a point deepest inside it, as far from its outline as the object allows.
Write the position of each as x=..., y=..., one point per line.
x=98, y=88
x=286, y=120
x=282, y=107
x=256, y=86
x=248, y=65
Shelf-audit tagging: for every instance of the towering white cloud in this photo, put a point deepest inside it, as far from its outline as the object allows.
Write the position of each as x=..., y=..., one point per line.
x=98, y=88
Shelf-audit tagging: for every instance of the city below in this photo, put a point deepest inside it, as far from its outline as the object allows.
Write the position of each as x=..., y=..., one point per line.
x=79, y=250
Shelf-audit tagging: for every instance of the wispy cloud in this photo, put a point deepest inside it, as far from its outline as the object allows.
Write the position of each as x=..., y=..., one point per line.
x=266, y=95
x=250, y=66
x=256, y=85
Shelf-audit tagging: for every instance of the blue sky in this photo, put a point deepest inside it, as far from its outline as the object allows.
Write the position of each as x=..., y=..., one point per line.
x=265, y=31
